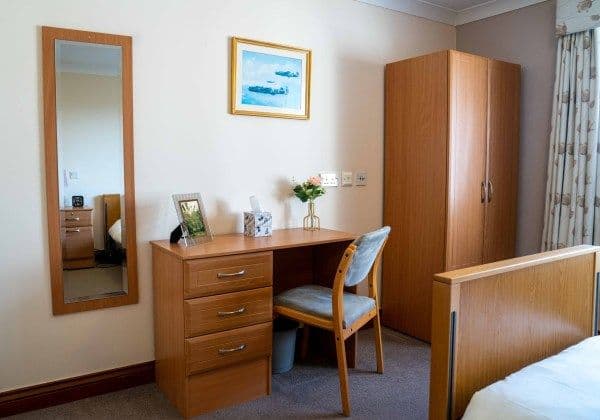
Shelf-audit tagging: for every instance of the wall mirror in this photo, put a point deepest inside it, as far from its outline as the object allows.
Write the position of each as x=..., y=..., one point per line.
x=88, y=132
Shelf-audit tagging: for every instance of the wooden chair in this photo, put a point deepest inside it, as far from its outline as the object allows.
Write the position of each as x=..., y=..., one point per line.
x=338, y=311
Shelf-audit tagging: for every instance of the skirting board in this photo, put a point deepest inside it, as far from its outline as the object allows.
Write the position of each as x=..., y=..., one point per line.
x=72, y=389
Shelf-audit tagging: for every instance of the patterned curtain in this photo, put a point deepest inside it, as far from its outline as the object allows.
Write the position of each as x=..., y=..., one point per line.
x=572, y=215
x=576, y=15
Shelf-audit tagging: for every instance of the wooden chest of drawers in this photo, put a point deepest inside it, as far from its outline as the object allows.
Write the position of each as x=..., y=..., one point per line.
x=213, y=311
x=77, y=237
x=213, y=328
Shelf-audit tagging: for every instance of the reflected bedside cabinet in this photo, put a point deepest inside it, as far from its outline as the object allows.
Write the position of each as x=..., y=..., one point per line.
x=77, y=237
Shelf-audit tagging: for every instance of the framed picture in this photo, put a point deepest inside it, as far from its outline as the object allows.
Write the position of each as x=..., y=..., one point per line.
x=192, y=218
x=269, y=80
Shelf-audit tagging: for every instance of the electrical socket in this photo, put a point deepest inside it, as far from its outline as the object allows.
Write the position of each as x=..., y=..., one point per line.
x=329, y=179
x=347, y=180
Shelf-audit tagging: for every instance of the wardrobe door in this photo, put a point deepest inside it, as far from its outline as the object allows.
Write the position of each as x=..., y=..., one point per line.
x=503, y=159
x=416, y=129
x=466, y=160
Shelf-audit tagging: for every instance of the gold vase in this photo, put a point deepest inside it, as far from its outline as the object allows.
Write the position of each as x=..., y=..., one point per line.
x=311, y=220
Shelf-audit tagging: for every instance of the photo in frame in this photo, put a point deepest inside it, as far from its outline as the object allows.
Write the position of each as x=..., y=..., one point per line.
x=269, y=80
x=192, y=218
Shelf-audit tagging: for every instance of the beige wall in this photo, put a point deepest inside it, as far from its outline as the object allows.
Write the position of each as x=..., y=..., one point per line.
x=524, y=36
x=185, y=141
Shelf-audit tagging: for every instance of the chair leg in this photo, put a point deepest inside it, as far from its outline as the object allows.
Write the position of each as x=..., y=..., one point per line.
x=378, y=343
x=304, y=342
x=342, y=372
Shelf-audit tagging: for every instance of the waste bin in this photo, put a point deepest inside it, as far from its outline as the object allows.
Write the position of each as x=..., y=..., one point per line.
x=284, y=344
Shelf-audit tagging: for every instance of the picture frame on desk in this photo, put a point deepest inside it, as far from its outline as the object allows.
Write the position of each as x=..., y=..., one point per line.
x=192, y=218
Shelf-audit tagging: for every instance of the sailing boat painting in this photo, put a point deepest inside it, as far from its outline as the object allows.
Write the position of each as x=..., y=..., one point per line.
x=270, y=79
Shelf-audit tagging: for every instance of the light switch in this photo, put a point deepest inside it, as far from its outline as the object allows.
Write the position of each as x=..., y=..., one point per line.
x=361, y=178
x=73, y=175
x=329, y=179
x=347, y=179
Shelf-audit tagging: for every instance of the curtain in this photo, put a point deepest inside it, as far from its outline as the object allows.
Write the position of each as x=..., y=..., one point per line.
x=576, y=15
x=572, y=211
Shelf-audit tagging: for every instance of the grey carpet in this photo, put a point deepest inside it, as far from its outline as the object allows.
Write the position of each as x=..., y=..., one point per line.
x=90, y=282
x=307, y=391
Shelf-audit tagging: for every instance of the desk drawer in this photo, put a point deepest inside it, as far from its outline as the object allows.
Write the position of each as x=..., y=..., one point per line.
x=229, y=347
x=212, y=276
x=231, y=310
x=228, y=386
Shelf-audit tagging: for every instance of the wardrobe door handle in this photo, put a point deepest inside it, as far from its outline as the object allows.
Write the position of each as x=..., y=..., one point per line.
x=490, y=190
x=232, y=350
x=236, y=312
x=225, y=275
x=483, y=192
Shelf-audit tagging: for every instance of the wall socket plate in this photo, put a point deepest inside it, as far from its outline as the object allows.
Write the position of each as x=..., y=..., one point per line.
x=360, y=179
x=329, y=179
x=347, y=180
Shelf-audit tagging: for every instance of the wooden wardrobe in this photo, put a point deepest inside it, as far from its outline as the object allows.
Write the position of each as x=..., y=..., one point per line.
x=451, y=159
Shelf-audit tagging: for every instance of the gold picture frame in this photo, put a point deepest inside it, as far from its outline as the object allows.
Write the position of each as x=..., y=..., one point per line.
x=270, y=80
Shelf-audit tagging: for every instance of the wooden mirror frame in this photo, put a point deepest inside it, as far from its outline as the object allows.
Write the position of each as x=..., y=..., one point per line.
x=49, y=36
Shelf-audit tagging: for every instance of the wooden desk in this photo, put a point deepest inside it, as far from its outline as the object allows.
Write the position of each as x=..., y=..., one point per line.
x=213, y=311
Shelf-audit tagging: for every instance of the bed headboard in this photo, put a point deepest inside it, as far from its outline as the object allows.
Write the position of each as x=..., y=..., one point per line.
x=112, y=210
x=492, y=320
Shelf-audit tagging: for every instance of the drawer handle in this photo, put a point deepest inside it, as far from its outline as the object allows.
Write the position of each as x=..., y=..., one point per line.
x=225, y=275
x=232, y=350
x=236, y=312
x=490, y=190
x=72, y=219
x=73, y=230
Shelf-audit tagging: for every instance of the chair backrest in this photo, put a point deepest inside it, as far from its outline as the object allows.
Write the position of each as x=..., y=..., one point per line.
x=367, y=249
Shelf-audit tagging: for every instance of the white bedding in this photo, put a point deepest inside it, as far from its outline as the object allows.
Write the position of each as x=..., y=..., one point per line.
x=115, y=232
x=564, y=386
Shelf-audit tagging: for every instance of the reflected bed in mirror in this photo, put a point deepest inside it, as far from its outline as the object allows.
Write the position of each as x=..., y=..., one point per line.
x=89, y=169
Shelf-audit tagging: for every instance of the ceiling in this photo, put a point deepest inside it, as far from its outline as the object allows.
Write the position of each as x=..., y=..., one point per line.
x=458, y=5
x=82, y=57
x=452, y=12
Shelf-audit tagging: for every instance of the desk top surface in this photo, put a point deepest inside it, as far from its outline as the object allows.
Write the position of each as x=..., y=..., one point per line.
x=237, y=243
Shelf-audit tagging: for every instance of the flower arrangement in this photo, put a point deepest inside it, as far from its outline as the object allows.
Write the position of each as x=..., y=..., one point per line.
x=309, y=189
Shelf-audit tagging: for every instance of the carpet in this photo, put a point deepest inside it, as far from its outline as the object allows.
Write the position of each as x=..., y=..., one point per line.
x=306, y=392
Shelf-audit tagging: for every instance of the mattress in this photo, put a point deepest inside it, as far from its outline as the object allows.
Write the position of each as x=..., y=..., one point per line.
x=564, y=386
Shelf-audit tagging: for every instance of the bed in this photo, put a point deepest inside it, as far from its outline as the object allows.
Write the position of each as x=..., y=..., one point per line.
x=499, y=334
x=115, y=233
x=112, y=221
x=564, y=386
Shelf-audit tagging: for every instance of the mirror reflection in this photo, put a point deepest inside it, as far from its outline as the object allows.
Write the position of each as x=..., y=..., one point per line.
x=90, y=169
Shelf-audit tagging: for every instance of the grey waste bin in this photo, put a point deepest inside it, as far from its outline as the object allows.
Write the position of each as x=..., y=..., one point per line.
x=284, y=344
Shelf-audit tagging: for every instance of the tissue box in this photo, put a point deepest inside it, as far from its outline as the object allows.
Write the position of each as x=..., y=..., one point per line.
x=257, y=223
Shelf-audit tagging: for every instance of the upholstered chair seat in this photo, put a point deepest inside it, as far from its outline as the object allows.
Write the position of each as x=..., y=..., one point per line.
x=318, y=301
